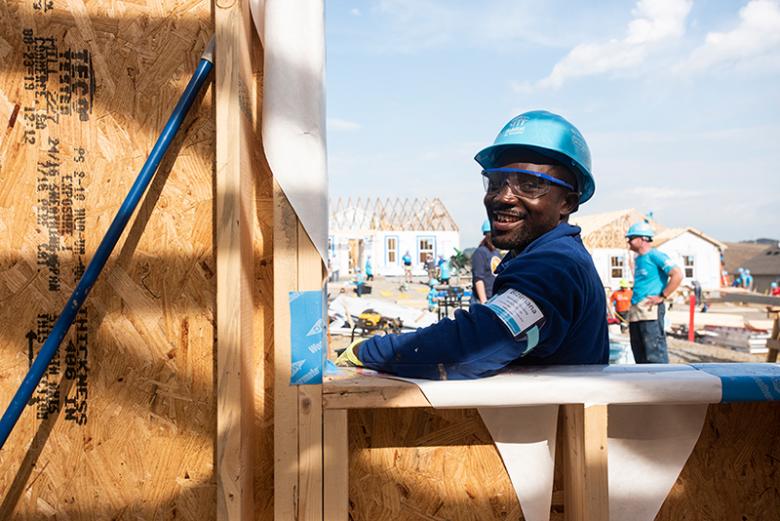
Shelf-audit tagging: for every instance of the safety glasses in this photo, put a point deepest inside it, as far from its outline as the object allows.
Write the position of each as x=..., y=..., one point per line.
x=522, y=183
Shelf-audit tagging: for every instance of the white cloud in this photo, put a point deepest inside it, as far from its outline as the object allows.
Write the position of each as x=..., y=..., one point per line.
x=757, y=34
x=655, y=22
x=342, y=125
x=498, y=25
x=355, y=12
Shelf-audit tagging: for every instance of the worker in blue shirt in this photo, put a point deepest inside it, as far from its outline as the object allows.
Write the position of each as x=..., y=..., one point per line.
x=369, y=269
x=444, y=270
x=656, y=277
x=548, y=305
x=407, y=262
x=484, y=263
x=747, y=280
x=738, y=278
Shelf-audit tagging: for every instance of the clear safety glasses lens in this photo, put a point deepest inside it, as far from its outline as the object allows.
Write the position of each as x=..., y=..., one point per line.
x=521, y=185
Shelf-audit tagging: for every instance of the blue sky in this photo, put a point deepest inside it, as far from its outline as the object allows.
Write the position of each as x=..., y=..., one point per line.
x=679, y=101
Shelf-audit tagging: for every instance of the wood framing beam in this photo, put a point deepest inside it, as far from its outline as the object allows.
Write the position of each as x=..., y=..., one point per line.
x=336, y=465
x=234, y=229
x=586, y=491
x=298, y=409
x=355, y=391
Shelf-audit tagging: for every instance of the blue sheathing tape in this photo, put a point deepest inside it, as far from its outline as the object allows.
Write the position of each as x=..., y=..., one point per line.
x=746, y=382
x=308, y=339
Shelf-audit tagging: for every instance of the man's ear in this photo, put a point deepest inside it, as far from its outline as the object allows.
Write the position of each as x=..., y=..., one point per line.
x=570, y=204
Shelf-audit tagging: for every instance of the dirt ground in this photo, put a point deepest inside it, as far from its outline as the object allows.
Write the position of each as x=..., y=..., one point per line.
x=684, y=352
x=680, y=351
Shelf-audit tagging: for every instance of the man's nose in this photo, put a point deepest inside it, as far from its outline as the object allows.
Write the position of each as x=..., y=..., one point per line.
x=505, y=193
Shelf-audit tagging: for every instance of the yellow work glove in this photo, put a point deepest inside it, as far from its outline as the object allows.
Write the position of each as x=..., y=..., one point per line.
x=349, y=357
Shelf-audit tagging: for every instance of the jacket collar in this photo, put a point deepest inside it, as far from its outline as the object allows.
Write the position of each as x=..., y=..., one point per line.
x=563, y=229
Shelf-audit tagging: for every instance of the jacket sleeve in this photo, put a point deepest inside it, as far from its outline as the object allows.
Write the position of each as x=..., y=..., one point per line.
x=472, y=345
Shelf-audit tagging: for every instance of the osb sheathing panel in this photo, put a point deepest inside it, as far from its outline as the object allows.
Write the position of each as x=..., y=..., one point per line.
x=125, y=425
x=411, y=464
x=425, y=464
x=734, y=471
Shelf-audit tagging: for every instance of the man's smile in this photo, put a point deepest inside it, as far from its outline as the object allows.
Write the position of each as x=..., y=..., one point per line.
x=505, y=220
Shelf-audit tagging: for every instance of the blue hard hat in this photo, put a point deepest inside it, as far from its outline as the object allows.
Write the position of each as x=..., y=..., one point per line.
x=773, y=284
x=547, y=134
x=486, y=227
x=640, y=229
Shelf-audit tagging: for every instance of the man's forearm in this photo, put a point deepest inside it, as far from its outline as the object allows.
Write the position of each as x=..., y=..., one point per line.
x=675, y=278
x=479, y=287
x=473, y=344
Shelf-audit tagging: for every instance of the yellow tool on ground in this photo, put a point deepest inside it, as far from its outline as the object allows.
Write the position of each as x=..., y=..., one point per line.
x=371, y=320
x=370, y=317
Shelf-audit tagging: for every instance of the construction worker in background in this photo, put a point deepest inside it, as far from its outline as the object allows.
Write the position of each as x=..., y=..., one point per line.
x=548, y=305
x=698, y=294
x=484, y=262
x=773, y=289
x=407, y=262
x=620, y=301
x=738, y=276
x=430, y=267
x=655, y=278
x=369, y=269
x=444, y=270
x=360, y=281
x=747, y=280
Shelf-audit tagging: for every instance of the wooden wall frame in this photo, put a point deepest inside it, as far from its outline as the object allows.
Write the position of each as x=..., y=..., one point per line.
x=234, y=218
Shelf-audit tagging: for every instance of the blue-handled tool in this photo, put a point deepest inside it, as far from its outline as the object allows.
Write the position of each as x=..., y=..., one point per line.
x=145, y=176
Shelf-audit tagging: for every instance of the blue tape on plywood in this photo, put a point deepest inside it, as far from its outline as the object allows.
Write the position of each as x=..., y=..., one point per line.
x=746, y=382
x=308, y=339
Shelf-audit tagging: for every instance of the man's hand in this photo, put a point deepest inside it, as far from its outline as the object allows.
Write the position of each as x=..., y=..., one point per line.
x=654, y=300
x=349, y=357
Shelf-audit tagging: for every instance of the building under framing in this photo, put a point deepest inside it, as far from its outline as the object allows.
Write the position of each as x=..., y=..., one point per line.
x=386, y=230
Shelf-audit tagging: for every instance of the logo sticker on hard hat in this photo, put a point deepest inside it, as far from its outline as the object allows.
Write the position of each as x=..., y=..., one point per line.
x=516, y=126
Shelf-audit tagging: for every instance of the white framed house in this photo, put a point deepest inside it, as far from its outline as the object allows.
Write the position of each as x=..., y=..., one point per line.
x=697, y=254
x=386, y=231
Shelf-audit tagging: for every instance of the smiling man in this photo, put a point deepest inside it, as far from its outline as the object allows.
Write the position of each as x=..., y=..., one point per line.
x=548, y=305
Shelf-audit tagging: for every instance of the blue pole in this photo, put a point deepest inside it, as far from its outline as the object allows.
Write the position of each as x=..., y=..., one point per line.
x=63, y=323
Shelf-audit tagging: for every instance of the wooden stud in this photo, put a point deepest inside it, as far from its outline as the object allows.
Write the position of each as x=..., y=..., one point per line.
x=285, y=395
x=298, y=409
x=336, y=465
x=234, y=247
x=586, y=491
x=773, y=342
x=309, y=399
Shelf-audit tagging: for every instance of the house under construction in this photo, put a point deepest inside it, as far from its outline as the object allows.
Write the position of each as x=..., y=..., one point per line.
x=385, y=230
x=697, y=254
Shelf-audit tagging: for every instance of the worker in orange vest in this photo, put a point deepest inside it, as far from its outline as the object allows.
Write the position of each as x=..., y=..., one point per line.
x=620, y=300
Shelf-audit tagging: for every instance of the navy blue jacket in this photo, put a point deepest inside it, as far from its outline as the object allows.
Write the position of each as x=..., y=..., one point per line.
x=556, y=274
